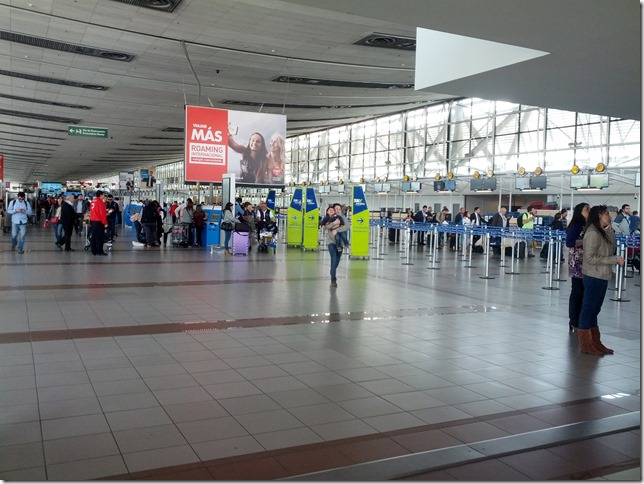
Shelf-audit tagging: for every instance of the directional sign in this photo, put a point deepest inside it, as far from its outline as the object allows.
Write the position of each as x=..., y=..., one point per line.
x=87, y=131
x=311, y=232
x=38, y=173
x=359, y=225
x=295, y=226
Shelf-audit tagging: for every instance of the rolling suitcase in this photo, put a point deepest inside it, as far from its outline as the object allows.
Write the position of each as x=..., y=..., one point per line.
x=180, y=235
x=241, y=243
x=519, y=250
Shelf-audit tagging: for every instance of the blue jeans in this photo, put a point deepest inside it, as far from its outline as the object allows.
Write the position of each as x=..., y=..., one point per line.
x=341, y=239
x=18, y=232
x=227, y=235
x=335, y=260
x=58, y=232
x=594, y=293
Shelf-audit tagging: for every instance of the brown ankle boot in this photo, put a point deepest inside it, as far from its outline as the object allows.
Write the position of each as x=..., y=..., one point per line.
x=586, y=343
x=594, y=331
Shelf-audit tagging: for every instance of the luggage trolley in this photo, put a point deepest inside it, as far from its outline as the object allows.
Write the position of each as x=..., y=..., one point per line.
x=267, y=238
x=88, y=236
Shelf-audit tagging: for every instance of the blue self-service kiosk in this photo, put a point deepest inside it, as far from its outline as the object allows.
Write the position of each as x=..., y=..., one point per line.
x=129, y=210
x=212, y=233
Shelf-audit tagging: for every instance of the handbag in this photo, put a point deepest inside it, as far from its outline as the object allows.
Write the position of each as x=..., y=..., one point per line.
x=227, y=226
x=54, y=220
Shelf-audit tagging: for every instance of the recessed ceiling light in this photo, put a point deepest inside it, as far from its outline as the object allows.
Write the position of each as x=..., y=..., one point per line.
x=272, y=50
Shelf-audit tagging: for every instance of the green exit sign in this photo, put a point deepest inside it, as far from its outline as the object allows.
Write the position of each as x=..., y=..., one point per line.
x=38, y=173
x=87, y=131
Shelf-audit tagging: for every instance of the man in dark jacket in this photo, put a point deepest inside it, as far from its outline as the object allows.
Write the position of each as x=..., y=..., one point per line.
x=498, y=220
x=421, y=218
x=112, y=214
x=149, y=222
x=68, y=221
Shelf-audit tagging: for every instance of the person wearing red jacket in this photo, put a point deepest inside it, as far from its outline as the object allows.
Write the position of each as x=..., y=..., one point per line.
x=97, y=223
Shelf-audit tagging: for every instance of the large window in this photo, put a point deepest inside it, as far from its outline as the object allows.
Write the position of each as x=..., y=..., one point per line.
x=463, y=136
x=459, y=136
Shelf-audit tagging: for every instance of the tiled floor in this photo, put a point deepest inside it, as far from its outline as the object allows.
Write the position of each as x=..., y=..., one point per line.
x=175, y=363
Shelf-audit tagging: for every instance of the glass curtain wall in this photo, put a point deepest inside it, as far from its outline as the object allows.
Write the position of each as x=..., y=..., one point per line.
x=463, y=136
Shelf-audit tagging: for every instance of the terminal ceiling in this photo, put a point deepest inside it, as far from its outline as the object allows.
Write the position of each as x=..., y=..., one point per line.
x=278, y=56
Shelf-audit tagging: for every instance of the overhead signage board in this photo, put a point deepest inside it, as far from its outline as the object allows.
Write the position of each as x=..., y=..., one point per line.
x=87, y=131
x=38, y=173
x=250, y=145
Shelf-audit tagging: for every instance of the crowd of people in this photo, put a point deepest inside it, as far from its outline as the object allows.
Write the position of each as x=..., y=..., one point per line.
x=592, y=257
x=590, y=237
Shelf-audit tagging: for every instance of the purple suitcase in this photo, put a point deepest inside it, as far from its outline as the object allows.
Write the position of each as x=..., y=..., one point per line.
x=241, y=243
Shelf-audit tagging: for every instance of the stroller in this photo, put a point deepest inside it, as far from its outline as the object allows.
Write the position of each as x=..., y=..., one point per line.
x=267, y=239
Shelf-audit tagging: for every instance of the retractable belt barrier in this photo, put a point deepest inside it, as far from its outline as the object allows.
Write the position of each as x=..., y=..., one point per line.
x=624, y=243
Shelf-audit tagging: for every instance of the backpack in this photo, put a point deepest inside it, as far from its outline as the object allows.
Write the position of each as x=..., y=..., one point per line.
x=520, y=221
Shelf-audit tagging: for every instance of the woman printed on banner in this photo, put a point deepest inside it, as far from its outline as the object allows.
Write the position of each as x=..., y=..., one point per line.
x=253, y=159
x=273, y=174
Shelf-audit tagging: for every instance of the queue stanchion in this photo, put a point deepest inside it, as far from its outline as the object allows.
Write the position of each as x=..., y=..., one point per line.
x=487, y=260
x=471, y=245
x=464, y=239
x=380, y=228
x=503, y=240
x=559, y=257
x=550, y=287
x=430, y=241
x=434, y=249
x=627, y=244
x=617, y=271
x=543, y=235
x=401, y=243
x=619, y=276
x=386, y=225
x=514, y=247
x=408, y=247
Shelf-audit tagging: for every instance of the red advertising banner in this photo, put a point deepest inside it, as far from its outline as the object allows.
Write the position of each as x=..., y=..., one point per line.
x=206, y=144
x=250, y=145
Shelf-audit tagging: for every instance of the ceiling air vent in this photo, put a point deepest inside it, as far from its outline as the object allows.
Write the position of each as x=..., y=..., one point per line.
x=338, y=83
x=160, y=5
x=41, y=117
x=172, y=129
x=33, y=127
x=388, y=41
x=65, y=46
x=23, y=141
x=232, y=102
x=29, y=136
x=160, y=137
x=42, y=101
x=52, y=80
